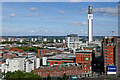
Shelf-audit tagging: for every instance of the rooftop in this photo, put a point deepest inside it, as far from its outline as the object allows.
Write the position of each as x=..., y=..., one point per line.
x=83, y=51
x=63, y=56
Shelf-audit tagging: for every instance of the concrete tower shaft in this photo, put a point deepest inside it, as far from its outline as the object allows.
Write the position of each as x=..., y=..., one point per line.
x=90, y=24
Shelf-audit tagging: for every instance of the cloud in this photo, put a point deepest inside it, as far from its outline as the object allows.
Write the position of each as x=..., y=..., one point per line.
x=84, y=23
x=32, y=31
x=83, y=32
x=46, y=31
x=61, y=12
x=33, y=9
x=76, y=23
x=111, y=11
x=93, y=0
x=12, y=15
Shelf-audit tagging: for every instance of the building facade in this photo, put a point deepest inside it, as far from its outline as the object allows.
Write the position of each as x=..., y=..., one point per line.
x=73, y=42
x=84, y=58
x=109, y=52
x=117, y=57
x=42, y=52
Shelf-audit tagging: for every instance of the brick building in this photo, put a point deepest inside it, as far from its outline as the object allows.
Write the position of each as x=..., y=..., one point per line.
x=61, y=59
x=59, y=71
x=117, y=57
x=109, y=51
x=84, y=58
x=71, y=64
x=15, y=49
x=41, y=52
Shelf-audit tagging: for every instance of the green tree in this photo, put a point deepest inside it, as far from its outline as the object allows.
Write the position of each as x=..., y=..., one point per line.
x=7, y=42
x=7, y=75
x=58, y=78
x=65, y=77
x=49, y=77
x=98, y=46
x=20, y=75
x=26, y=48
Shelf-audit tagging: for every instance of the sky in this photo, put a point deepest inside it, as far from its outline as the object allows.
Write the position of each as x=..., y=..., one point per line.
x=60, y=0
x=58, y=18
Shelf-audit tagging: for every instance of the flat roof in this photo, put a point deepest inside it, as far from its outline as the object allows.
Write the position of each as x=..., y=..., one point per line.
x=63, y=56
x=84, y=51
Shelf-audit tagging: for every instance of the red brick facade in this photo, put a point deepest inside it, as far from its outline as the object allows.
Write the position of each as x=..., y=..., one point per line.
x=43, y=51
x=59, y=71
x=85, y=60
x=109, y=56
x=15, y=49
x=59, y=62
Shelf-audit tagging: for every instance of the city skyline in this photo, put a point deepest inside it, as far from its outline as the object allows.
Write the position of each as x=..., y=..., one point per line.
x=57, y=19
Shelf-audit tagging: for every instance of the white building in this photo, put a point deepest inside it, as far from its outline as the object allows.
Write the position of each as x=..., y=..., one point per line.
x=45, y=39
x=29, y=65
x=13, y=65
x=63, y=40
x=44, y=60
x=37, y=62
x=73, y=42
x=16, y=64
x=54, y=40
x=59, y=40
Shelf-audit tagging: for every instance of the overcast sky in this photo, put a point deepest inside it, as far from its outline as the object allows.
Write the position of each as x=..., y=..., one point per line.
x=58, y=18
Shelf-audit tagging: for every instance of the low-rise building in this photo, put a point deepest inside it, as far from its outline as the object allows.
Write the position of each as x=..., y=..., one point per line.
x=84, y=58
x=13, y=65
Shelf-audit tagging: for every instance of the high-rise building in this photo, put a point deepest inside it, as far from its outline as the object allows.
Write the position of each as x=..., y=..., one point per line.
x=90, y=24
x=117, y=57
x=109, y=52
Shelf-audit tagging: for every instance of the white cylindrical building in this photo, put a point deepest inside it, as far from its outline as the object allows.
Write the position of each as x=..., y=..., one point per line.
x=37, y=62
x=90, y=24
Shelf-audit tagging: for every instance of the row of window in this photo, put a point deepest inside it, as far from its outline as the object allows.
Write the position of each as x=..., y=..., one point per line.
x=84, y=59
x=83, y=55
x=108, y=53
x=109, y=56
x=108, y=50
x=109, y=59
x=109, y=62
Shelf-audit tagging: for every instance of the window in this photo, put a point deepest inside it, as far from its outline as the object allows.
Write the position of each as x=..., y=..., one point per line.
x=56, y=63
x=81, y=58
x=105, y=59
x=87, y=59
x=105, y=47
x=105, y=50
x=106, y=53
x=48, y=63
x=105, y=56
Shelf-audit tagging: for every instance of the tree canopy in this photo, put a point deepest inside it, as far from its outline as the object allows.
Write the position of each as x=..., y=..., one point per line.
x=26, y=48
x=65, y=77
x=20, y=75
x=49, y=77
